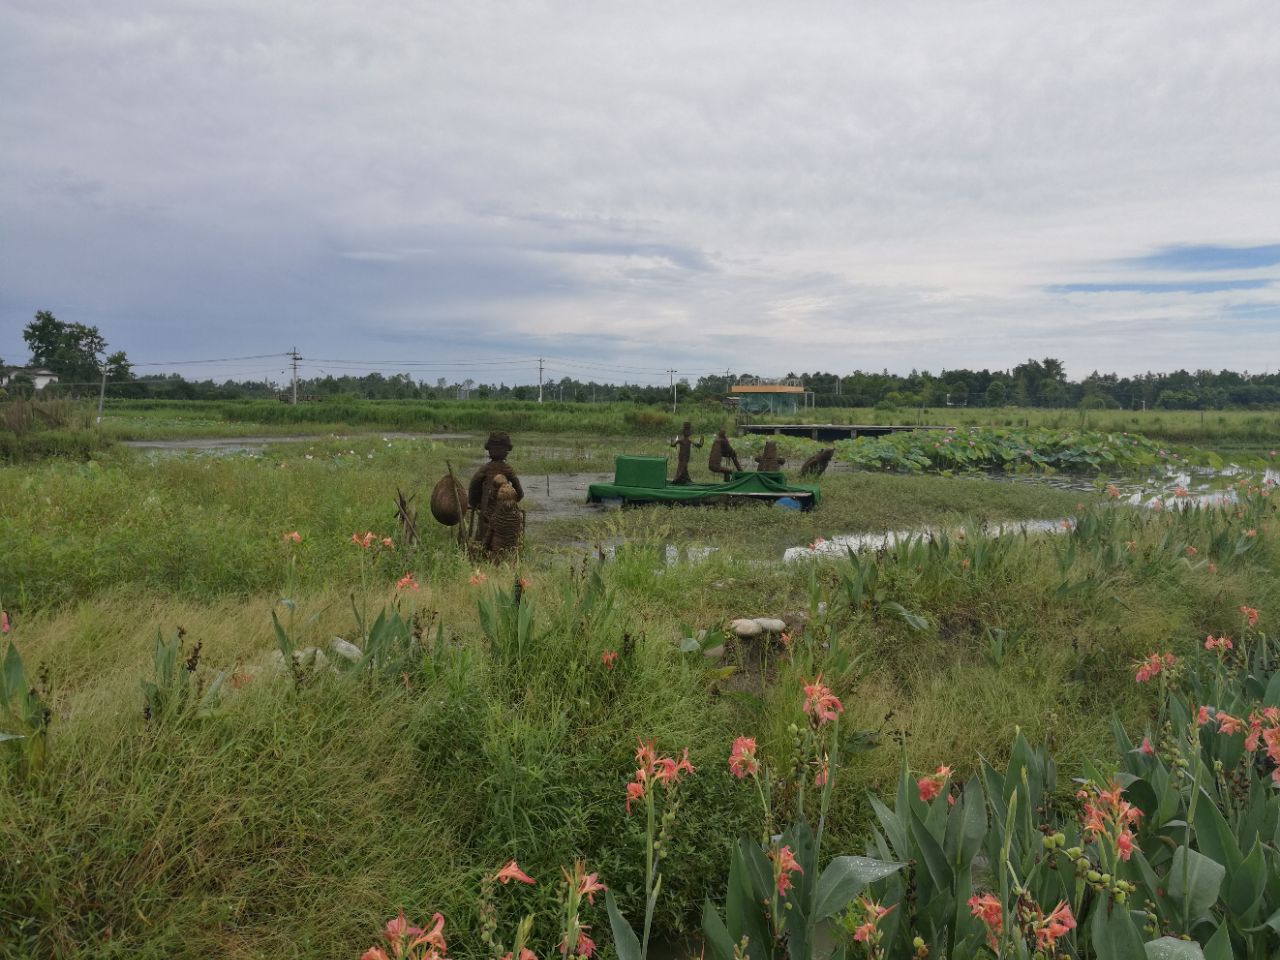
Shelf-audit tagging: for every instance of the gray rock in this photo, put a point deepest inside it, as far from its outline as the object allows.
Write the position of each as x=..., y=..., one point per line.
x=347, y=651
x=746, y=629
x=770, y=625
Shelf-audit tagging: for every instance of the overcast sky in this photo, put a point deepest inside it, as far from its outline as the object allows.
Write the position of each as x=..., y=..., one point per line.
x=634, y=187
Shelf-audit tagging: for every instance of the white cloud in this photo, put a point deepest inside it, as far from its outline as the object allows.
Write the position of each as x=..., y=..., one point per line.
x=668, y=184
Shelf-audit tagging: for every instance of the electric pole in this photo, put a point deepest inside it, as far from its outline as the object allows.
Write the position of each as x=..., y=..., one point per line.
x=539, y=379
x=672, y=375
x=102, y=393
x=294, y=358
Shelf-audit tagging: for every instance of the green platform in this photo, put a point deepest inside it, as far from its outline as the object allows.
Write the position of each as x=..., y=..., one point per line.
x=644, y=480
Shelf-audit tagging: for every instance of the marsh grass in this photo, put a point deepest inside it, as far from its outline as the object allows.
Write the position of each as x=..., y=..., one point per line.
x=312, y=804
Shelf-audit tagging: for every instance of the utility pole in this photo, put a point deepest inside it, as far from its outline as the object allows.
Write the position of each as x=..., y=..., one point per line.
x=672, y=375
x=539, y=379
x=294, y=358
x=102, y=393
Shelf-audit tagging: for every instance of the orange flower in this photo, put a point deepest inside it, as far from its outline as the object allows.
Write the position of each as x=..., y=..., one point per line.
x=293, y=536
x=586, y=946
x=1146, y=749
x=1251, y=532
x=989, y=910
x=363, y=542
x=477, y=577
x=374, y=953
x=609, y=658
x=1250, y=615
x=512, y=872
x=407, y=582
x=742, y=758
x=386, y=542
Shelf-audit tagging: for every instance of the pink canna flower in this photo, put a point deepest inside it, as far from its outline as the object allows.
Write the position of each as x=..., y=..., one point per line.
x=784, y=864
x=742, y=758
x=1124, y=844
x=1221, y=644
x=407, y=582
x=929, y=788
x=374, y=953
x=1203, y=716
x=636, y=790
x=1153, y=665
x=990, y=911
x=477, y=577
x=512, y=872
x=363, y=542
x=586, y=946
x=1250, y=615
x=589, y=886
x=1146, y=749
x=1055, y=926
x=1251, y=532
x=4, y=621
x=1191, y=551
x=386, y=542
x=293, y=536
x=823, y=775
x=821, y=705
x=1228, y=724
x=609, y=658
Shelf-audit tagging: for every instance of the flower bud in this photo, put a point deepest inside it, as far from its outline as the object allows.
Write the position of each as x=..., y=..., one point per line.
x=1093, y=876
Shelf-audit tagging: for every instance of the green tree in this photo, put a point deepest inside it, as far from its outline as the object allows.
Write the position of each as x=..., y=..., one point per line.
x=71, y=350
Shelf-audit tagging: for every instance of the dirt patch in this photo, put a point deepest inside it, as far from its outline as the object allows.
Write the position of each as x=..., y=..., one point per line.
x=558, y=496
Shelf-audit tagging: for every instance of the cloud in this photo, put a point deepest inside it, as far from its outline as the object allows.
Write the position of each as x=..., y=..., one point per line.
x=646, y=186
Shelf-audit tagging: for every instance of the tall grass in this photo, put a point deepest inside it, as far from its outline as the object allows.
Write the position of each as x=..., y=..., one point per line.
x=311, y=804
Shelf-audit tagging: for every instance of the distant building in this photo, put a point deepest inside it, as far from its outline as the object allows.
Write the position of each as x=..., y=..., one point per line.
x=761, y=395
x=39, y=376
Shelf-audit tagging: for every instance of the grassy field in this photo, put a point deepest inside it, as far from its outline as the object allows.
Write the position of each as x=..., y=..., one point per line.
x=304, y=806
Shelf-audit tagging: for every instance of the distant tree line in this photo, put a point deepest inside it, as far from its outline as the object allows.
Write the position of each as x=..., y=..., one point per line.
x=78, y=354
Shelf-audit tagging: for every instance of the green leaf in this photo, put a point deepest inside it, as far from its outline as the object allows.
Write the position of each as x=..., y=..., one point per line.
x=893, y=829
x=715, y=933
x=744, y=914
x=913, y=620
x=934, y=859
x=1170, y=948
x=11, y=736
x=1214, y=836
x=1272, y=697
x=1113, y=934
x=845, y=878
x=1203, y=880
x=624, y=938
x=1247, y=882
x=1219, y=945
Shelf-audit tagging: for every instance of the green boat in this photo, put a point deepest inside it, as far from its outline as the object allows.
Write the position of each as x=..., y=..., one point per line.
x=644, y=480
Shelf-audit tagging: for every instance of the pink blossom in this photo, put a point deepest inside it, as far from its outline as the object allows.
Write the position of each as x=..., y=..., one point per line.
x=742, y=758
x=407, y=582
x=512, y=872
x=293, y=536
x=609, y=658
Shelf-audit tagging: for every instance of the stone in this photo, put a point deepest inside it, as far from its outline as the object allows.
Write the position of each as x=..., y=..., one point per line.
x=345, y=650
x=746, y=629
x=770, y=625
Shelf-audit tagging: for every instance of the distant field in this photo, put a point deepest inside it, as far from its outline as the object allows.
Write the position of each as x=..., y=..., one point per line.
x=1243, y=430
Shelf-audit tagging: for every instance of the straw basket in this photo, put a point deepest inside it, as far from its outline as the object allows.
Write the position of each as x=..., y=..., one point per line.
x=448, y=501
